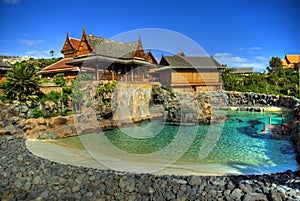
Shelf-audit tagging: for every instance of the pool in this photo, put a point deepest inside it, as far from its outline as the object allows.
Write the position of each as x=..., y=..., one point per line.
x=232, y=147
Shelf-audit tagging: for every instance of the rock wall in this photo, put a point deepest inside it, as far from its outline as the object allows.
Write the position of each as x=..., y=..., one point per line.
x=133, y=103
x=183, y=107
x=13, y=116
x=52, y=128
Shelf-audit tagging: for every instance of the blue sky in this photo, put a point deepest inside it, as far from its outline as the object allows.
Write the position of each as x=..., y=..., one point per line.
x=240, y=33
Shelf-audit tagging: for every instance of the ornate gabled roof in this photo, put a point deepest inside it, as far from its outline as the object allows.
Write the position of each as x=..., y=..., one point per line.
x=139, y=52
x=150, y=57
x=115, y=49
x=181, y=53
x=179, y=62
x=60, y=66
x=284, y=63
x=72, y=43
x=111, y=48
x=94, y=41
x=292, y=58
x=75, y=42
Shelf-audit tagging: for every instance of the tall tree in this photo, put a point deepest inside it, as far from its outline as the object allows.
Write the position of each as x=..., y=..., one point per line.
x=275, y=66
x=52, y=52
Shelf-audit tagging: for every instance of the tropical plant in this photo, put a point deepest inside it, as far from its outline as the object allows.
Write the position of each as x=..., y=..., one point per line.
x=278, y=81
x=51, y=52
x=104, y=89
x=37, y=112
x=22, y=83
x=59, y=79
x=51, y=96
x=275, y=65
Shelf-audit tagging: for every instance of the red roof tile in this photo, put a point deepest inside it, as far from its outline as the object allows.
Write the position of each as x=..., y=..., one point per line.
x=75, y=42
x=59, y=66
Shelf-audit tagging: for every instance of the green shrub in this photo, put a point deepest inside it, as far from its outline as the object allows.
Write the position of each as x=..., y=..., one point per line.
x=51, y=96
x=59, y=79
x=22, y=83
x=64, y=112
x=50, y=114
x=37, y=112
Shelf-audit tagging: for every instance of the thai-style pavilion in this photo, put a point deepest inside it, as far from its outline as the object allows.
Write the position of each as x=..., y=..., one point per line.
x=185, y=74
x=4, y=67
x=70, y=71
x=106, y=59
x=291, y=60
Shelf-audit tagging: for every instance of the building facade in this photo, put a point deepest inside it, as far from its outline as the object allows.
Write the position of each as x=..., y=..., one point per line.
x=189, y=74
x=103, y=58
x=291, y=61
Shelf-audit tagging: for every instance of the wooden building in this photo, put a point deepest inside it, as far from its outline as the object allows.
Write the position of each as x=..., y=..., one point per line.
x=112, y=60
x=242, y=71
x=105, y=59
x=69, y=49
x=4, y=67
x=291, y=61
x=188, y=74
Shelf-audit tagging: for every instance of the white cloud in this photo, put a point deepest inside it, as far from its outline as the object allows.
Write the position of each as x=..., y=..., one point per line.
x=259, y=63
x=255, y=48
x=11, y=1
x=262, y=58
x=42, y=54
x=227, y=58
x=38, y=54
x=31, y=42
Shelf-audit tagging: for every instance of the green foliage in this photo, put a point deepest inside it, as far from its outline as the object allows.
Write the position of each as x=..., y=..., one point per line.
x=3, y=98
x=22, y=83
x=50, y=115
x=84, y=77
x=64, y=112
x=44, y=80
x=37, y=112
x=278, y=81
x=275, y=65
x=77, y=92
x=66, y=93
x=168, y=90
x=51, y=52
x=51, y=96
x=59, y=79
x=103, y=89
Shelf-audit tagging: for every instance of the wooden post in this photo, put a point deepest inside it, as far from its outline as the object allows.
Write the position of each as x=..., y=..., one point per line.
x=131, y=73
x=97, y=73
x=112, y=73
x=139, y=74
x=126, y=73
x=265, y=128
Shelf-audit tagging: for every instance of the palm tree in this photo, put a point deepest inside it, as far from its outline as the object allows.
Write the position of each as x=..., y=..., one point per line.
x=51, y=52
x=22, y=83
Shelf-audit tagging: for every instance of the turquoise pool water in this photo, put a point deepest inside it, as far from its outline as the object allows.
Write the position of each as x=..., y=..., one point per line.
x=233, y=143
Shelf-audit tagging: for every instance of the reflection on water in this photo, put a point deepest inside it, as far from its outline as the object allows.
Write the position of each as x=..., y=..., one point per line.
x=237, y=147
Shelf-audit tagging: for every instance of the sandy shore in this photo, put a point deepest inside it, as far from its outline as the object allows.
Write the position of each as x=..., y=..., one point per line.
x=78, y=157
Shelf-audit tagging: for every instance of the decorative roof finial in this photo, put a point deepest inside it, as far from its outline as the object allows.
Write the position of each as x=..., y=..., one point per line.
x=83, y=30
